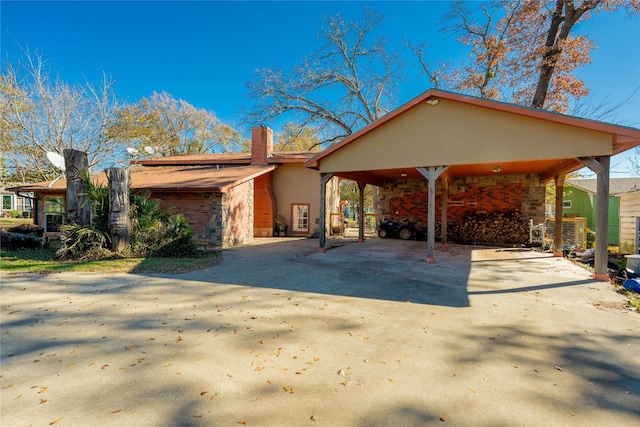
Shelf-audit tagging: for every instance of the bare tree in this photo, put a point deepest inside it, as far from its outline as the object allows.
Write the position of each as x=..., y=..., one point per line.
x=346, y=84
x=41, y=113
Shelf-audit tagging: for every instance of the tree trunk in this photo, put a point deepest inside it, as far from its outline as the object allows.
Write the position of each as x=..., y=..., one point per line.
x=559, y=29
x=78, y=204
x=119, y=216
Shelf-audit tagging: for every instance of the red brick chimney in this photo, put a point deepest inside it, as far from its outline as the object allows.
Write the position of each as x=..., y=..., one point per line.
x=261, y=145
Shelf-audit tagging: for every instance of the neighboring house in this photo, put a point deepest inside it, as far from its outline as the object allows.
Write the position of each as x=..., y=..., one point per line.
x=630, y=221
x=227, y=199
x=14, y=203
x=579, y=200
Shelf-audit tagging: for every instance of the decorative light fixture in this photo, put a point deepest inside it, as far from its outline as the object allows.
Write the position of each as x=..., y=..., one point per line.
x=403, y=174
x=432, y=101
x=497, y=168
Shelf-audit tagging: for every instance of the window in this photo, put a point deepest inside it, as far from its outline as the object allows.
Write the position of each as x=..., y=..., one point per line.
x=53, y=213
x=566, y=204
x=24, y=206
x=300, y=219
x=6, y=202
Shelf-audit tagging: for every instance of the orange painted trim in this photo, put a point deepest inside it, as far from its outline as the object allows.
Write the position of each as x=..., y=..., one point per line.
x=322, y=251
x=431, y=260
x=602, y=277
x=558, y=254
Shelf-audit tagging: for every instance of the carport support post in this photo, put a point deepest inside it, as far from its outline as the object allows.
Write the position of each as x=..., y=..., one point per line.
x=557, y=227
x=361, y=187
x=600, y=166
x=431, y=173
x=324, y=178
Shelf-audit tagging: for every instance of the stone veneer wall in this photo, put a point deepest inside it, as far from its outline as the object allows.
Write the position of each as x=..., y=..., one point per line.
x=503, y=193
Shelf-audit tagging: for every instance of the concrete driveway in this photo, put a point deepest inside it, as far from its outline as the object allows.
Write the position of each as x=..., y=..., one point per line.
x=364, y=335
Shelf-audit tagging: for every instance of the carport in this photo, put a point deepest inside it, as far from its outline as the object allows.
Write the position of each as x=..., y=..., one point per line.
x=444, y=135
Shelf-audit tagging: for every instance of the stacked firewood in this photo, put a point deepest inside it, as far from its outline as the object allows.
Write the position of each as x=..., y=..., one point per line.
x=494, y=228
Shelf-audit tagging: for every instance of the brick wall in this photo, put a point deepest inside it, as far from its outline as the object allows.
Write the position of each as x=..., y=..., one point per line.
x=265, y=206
x=216, y=219
x=504, y=193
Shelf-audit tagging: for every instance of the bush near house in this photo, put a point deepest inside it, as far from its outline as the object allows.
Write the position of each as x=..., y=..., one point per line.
x=155, y=231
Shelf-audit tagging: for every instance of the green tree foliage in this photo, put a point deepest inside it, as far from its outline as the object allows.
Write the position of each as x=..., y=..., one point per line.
x=294, y=137
x=349, y=192
x=173, y=127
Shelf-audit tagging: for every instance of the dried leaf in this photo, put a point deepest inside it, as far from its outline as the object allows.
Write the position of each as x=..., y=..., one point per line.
x=116, y=411
x=55, y=421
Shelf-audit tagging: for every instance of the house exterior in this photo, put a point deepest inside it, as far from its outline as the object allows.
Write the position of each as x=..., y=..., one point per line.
x=443, y=153
x=630, y=222
x=15, y=204
x=227, y=199
x=579, y=200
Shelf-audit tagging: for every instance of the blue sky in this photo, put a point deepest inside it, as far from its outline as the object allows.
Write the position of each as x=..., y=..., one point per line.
x=205, y=52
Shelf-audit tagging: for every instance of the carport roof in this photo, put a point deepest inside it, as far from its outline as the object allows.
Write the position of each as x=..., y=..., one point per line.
x=472, y=136
x=169, y=178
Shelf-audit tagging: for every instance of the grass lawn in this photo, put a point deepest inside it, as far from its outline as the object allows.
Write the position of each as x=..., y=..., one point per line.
x=44, y=261
x=12, y=222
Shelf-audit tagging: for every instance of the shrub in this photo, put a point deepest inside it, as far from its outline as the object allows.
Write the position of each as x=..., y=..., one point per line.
x=83, y=243
x=14, y=214
x=11, y=241
x=591, y=238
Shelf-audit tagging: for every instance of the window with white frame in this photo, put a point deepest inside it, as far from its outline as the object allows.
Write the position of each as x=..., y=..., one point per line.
x=300, y=218
x=7, y=202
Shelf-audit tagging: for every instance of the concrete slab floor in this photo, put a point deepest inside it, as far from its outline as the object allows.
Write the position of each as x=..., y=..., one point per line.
x=366, y=334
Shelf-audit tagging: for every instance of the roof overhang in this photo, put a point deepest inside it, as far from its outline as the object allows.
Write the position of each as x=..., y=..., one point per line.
x=169, y=178
x=474, y=137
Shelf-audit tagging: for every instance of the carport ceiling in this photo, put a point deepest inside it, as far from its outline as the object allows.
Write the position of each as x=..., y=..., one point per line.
x=474, y=137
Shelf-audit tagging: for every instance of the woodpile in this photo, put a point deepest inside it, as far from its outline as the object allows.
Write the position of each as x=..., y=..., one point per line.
x=494, y=228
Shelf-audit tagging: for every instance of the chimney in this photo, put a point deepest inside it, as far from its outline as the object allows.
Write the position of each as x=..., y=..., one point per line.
x=261, y=145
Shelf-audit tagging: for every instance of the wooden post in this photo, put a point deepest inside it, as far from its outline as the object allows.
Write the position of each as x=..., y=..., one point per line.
x=557, y=227
x=432, y=173
x=119, y=216
x=361, y=187
x=601, y=167
x=324, y=178
x=78, y=204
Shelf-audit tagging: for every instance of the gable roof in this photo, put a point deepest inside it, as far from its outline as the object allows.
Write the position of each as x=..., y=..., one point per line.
x=617, y=186
x=473, y=136
x=169, y=178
